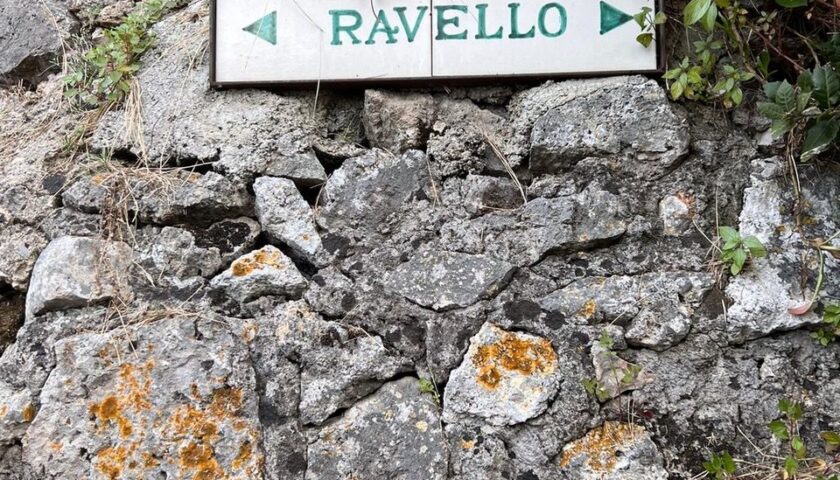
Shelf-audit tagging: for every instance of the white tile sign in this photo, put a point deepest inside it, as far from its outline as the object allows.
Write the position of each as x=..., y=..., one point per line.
x=306, y=41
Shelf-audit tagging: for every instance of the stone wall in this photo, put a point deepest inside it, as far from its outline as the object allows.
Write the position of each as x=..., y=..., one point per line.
x=251, y=284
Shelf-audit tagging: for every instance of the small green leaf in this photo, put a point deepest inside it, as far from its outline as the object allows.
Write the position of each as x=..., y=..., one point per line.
x=738, y=261
x=708, y=20
x=755, y=247
x=785, y=96
x=770, y=90
x=826, y=86
x=792, y=3
x=677, y=89
x=729, y=234
x=779, y=429
x=645, y=39
x=791, y=466
x=771, y=110
x=696, y=10
x=660, y=18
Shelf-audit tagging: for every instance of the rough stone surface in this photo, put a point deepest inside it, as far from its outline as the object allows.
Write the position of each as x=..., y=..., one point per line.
x=286, y=217
x=19, y=248
x=630, y=121
x=395, y=433
x=506, y=378
x=266, y=271
x=74, y=272
x=175, y=405
x=445, y=280
x=614, y=451
x=397, y=122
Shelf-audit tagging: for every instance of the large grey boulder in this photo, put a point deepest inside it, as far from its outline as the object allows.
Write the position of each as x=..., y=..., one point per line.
x=286, y=217
x=445, y=280
x=266, y=271
x=241, y=132
x=397, y=122
x=75, y=272
x=394, y=433
x=631, y=121
x=363, y=196
x=339, y=364
x=31, y=39
x=169, y=398
x=765, y=291
x=506, y=378
x=614, y=451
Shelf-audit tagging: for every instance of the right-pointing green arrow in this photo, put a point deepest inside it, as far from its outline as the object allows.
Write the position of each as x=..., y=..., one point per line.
x=612, y=17
x=265, y=28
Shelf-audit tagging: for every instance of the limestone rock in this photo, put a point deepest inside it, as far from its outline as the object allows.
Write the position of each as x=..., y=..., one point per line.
x=614, y=451
x=239, y=131
x=232, y=237
x=171, y=252
x=286, y=217
x=304, y=169
x=266, y=271
x=397, y=122
x=506, y=378
x=31, y=39
x=444, y=280
x=632, y=120
x=394, y=433
x=164, y=200
x=367, y=191
x=461, y=139
x=63, y=222
x=74, y=272
x=339, y=364
x=675, y=212
x=657, y=307
x=768, y=287
x=331, y=293
x=177, y=398
x=487, y=194
x=19, y=249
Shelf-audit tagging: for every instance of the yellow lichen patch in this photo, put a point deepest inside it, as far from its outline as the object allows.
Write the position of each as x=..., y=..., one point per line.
x=200, y=459
x=589, y=309
x=602, y=445
x=28, y=413
x=227, y=402
x=515, y=354
x=109, y=411
x=257, y=261
x=109, y=461
x=243, y=457
x=467, y=444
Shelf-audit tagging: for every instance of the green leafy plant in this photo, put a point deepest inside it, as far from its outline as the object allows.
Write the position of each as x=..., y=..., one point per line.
x=787, y=429
x=613, y=375
x=428, y=387
x=103, y=76
x=720, y=466
x=831, y=330
x=812, y=106
x=736, y=250
x=648, y=21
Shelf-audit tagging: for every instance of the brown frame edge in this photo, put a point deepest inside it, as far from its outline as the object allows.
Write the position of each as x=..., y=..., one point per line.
x=431, y=82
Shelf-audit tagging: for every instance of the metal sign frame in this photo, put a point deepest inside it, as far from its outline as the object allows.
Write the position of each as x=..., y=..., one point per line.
x=433, y=81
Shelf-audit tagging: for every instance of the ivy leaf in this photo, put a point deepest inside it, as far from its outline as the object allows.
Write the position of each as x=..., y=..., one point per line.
x=792, y=3
x=695, y=10
x=779, y=429
x=818, y=138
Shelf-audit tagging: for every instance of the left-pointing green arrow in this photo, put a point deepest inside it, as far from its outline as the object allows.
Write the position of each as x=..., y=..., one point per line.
x=612, y=17
x=265, y=28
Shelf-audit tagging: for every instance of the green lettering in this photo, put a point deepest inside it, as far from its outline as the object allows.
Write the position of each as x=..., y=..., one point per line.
x=561, y=12
x=337, y=27
x=514, y=23
x=443, y=22
x=411, y=33
x=382, y=25
x=482, y=24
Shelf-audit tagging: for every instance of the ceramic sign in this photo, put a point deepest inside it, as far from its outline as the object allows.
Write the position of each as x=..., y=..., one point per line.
x=307, y=41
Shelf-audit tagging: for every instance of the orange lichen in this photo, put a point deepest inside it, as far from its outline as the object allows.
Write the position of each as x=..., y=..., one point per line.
x=515, y=354
x=244, y=455
x=28, y=413
x=589, y=309
x=200, y=459
x=468, y=444
x=602, y=446
x=109, y=461
x=256, y=261
x=226, y=402
x=109, y=411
